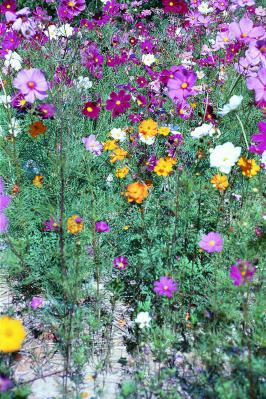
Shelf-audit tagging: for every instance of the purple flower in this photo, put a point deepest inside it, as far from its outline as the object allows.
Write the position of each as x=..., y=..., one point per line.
x=3, y=223
x=244, y=31
x=259, y=139
x=166, y=286
x=92, y=145
x=120, y=263
x=211, y=242
x=21, y=21
x=4, y=201
x=36, y=302
x=258, y=83
x=118, y=103
x=242, y=272
x=47, y=111
x=5, y=383
x=181, y=85
x=151, y=163
x=69, y=9
x=102, y=227
x=50, y=225
x=31, y=83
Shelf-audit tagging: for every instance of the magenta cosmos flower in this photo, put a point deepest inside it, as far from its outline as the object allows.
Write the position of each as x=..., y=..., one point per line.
x=68, y=9
x=175, y=6
x=121, y=263
x=242, y=272
x=181, y=86
x=118, y=103
x=102, y=227
x=258, y=83
x=211, y=242
x=91, y=110
x=166, y=286
x=36, y=302
x=47, y=111
x=3, y=223
x=92, y=145
x=32, y=84
x=259, y=139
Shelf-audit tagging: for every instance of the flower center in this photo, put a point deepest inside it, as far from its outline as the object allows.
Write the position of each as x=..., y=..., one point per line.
x=120, y=265
x=89, y=109
x=212, y=243
x=165, y=287
x=243, y=273
x=184, y=85
x=96, y=59
x=118, y=102
x=171, y=4
x=225, y=159
x=8, y=6
x=244, y=35
x=226, y=39
x=71, y=3
x=31, y=85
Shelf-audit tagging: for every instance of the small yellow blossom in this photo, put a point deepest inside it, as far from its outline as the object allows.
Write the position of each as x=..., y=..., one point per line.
x=164, y=131
x=164, y=166
x=12, y=334
x=148, y=128
x=75, y=224
x=136, y=192
x=220, y=182
x=118, y=155
x=249, y=167
x=122, y=172
x=38, y=181
x=110, y=145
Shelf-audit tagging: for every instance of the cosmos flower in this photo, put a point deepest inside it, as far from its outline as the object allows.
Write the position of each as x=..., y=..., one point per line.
x=220, y=182
x=211, y=242
x=118, y=103
x=50, y=225
x=32, y=84
x=122, y=172
x=249, y=167
x=136, y=192
x=182, y=84
x=37, y=128
x=224, y=157
x=259, y=139
x=143, y=319
x=234, y=103
x=47, y=111
x=258, y=84
x=75, y=224
x=92, y=145
x=102, y=227
x=242, y=272
x=121, y=263
x=36, y=302
x=244, y=30
x=165, y=286
x=92, y=109
x=175, y=6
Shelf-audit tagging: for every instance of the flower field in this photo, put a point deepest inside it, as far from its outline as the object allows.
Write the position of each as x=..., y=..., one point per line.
x=132, y=199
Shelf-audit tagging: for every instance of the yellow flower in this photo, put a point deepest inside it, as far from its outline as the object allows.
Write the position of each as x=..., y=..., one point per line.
x=249, y=167
x=122, y=172
x=12, y=334
x=164, y=131
x=75, y=224
x=110, y=145
x=220, y=182
x=148, y=128
x=136, y=192
x=164, y=166
x=38, y=181
x=118, y=155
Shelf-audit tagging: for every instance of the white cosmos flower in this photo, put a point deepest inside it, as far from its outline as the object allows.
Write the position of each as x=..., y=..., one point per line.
x=148, y=59
x=146, y=140
x=118, y=134
x=51, y=32
x=201, y=131
x=143, y=319
x=234, y=102
x=224, y=157
x=83, y=83
x=5, y=100
x=204, y=8
x=13, y=60
x=66, y=30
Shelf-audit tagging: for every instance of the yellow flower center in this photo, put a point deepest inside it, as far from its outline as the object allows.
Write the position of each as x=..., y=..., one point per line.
x=120, y=265
x=118, y=102
x=226, y=39
x=71, y=3
x=243, y=273
x=96, y=59
x=8, y=6
x=244, y=35
x=89, y=109
x=171, y=4
x=165, y=287
x=225, y=159
x=212, y=243
x=184, y=85
x=31, y=85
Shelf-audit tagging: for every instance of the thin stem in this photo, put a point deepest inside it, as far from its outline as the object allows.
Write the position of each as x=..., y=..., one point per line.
x=243, y=131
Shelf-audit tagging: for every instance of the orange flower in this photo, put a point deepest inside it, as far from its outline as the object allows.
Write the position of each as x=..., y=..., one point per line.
x=118, y=155
x=75, y=224
x=122, y=172
x=38, y=181
x=164, y=131
x=110, y=145
x=137, y=192
x=148, y=128
x=37, y=128
x=220, y=182
x=249, y=167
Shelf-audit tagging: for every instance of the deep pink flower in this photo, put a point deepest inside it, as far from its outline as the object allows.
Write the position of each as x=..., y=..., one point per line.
x=118, y=102
x=242, y=272
x=175, y=6
x=32, y=84
x=102, y=227
x=36, y=302
x=92, y=145
x=258, y=83
x=8, y=5
x=4, y=201
x=259, y=139
x=120, y=263
x=68, y=9
x=181, y=86
x=165, y=286
x=50, y=225
x=47, y=111
x=91, y=109
x=211, y=242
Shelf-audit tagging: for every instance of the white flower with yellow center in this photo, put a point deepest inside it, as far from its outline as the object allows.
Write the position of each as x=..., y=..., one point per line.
x=148, y=59
x=143, y=319
x=224, y=157
x=118, y=134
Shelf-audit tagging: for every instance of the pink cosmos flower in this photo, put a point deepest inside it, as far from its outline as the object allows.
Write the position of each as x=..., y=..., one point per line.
x=32, y=84
x=258, y=83
x=4, y=201
x=244, y=30
x=47, y=111
x=8, y=5
x=165, y=286
x=118, y=103
x=242, y=272
x=92, y=145
x=102, y=227
x=120, y=262
x=92, y=109
x=3, y=223
x=211, y=242
x=36, y=302
x=68, y=9
x=259, y=139
x=22, y=22
x=181, y=85
x=50, y=225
